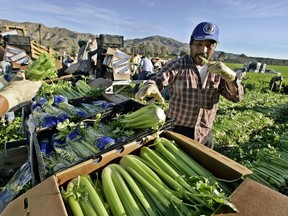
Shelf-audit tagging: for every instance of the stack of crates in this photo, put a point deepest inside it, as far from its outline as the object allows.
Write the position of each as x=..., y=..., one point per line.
x=22, y=42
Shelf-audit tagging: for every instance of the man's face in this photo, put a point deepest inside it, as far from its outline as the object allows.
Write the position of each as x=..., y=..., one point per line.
x=203, y=48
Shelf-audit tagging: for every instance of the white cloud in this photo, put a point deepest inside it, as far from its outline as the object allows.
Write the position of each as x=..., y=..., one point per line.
x=256, y=9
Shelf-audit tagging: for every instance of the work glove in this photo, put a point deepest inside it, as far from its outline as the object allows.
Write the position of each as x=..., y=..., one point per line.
x=20, y=90
x=3, y=82
x=149, y=90
x=219, y=67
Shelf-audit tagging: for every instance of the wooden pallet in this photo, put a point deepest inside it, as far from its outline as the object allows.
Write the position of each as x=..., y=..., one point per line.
x=37, y=49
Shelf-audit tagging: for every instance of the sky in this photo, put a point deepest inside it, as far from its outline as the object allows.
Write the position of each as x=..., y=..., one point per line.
x=252, y=27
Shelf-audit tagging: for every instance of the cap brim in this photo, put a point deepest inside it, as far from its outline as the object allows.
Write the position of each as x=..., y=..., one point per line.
x=207, y=37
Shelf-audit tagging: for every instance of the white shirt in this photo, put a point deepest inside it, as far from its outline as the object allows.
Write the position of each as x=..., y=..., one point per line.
x=146, y=65
x=202, y=71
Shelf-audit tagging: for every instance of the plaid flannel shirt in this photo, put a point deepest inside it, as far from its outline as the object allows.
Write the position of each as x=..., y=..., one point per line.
x=192, y=103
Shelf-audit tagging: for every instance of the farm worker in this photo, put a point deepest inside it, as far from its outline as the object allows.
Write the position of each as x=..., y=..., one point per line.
x=146, y=71
x=6, y=74
x=87, y=57
x=134, y=65
x=195, y=86
x=17, y=91
x=276, y=83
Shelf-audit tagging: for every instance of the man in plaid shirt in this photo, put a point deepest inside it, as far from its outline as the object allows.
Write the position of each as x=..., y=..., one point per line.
x=195, y=86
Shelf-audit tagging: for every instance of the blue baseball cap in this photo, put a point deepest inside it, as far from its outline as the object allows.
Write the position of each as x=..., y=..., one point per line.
x=205, y=31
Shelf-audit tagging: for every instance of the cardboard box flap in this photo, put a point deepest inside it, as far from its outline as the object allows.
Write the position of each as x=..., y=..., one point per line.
x=220, y=165
x=109, y=51
x=13, y=49
x=107, y=60
x=121, y=54
x=254, y=199
x=38, y=201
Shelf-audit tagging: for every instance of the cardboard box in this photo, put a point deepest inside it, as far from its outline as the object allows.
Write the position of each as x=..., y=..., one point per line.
x=121, y=54
x=110, y=51
x=11, y=51
x=254, y=199
x=45, y=198
x=117, y=63
x=120, y=62
x=42, y=200
x=19, y=66
x=109, y=74
x=16, y=55
x=108, y=57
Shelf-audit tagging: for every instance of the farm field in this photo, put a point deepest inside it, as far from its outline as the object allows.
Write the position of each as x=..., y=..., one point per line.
x=254, y=131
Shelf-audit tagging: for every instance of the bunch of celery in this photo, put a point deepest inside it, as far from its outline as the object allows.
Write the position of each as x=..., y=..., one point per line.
x=42, y=68
x=60, y=114
x=19, y=182
x=74, y=143
x=42, y=119
x=47, y=114
x=155, y=183
x=64, y=88
x=53, y=161
x=95, y=107
x=149, y=116
x=271, y=167
x=59, y=109
x=69, y=90
x=62, y=103
x=83, y=198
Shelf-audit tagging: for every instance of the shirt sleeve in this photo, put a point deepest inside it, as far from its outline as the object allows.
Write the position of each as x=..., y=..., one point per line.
x=225, y=92
x=165, y=76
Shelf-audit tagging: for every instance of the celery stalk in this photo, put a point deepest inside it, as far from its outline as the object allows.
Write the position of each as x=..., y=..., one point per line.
x=85, y=203
x=149, y=116
x=133, y=185
x=110, y=192
x=130, y=205
x=94, y=197
x=186, y=163
x=70, y=198
x=204, y=60
x=170, y=175
x=158, y=188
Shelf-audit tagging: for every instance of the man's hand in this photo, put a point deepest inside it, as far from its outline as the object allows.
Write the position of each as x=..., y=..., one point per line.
x=219, y=67
x=20, y=90
x=149, y=90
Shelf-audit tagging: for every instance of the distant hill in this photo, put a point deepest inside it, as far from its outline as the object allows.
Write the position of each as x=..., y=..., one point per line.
x=50, y=37
x=62, y=38
x=159, y=42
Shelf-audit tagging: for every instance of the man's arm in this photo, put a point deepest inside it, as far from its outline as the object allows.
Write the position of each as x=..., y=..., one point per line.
x=232, y=87
x=4, y=105
x=19, y=90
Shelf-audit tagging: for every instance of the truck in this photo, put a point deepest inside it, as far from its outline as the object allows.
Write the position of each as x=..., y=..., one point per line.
x=256, y=67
